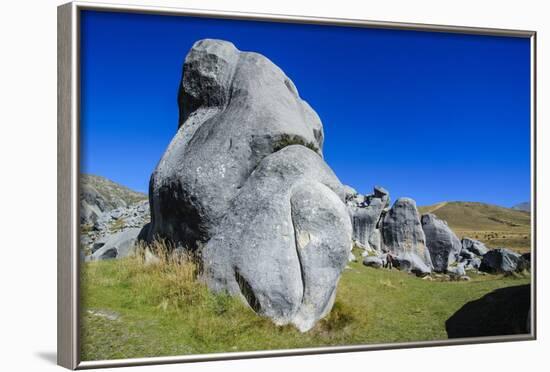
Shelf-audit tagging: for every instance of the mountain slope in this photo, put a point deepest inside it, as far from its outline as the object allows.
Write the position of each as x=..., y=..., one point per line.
x=479, y=216
x=98, y=194
x=495, y=226
x=525, y=206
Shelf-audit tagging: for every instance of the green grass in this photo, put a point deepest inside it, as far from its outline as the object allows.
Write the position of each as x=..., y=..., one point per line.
x=161, y=309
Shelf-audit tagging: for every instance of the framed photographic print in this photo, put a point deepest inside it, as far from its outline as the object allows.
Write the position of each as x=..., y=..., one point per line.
x=235, y=185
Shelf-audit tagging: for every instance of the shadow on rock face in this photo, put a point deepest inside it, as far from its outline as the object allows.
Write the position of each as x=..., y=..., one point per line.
x=501, y=312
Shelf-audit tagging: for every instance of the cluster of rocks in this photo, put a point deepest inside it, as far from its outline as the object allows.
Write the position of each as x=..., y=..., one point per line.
x=99, y=195
x=114, y=232
x=244, y=184
x=419, y=244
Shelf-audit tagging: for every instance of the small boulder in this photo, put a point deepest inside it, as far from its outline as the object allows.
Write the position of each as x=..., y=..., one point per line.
x=473, y=264
x=474, y=246
x=373, y=261
x=412, y=263
x=457, y=270
x=118, y=245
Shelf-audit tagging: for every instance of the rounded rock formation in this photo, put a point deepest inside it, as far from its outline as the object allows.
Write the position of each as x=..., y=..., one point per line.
x=244, y=182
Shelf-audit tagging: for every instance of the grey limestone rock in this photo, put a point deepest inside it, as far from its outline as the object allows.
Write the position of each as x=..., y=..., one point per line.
x=443, y=245
x=365, y=213
x=235, y=109
x=373, y=261
x=412, y=263
x=502, y=260
x=244, y=181
x=285, y=240
x=457, y=269
x=403, y=236
x=474, y=246
x=118, y=245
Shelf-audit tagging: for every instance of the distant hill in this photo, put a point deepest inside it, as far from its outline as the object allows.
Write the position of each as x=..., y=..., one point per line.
x=525, y=206
x=479, y=216
x=98, y=194
x=495, y=226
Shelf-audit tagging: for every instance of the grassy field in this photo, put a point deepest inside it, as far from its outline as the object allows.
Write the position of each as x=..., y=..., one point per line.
x=131, y=309
x=495, y=226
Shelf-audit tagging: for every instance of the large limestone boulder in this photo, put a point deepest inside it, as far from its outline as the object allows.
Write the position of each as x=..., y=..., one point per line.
x=244, y=181
x=235, y=109
x=285, y=239
x=403, y=236
x=443, y=245
x=365, y=213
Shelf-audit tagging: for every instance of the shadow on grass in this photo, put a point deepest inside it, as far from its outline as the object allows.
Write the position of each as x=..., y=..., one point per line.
x=501, y=312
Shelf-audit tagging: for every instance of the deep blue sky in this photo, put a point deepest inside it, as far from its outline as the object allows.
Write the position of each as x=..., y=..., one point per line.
x=431, y=116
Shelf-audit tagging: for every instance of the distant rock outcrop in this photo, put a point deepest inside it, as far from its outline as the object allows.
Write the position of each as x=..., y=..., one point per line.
x=99, y=195
x=244, y=181
x=443, y=245
x=403, y=236
x=112, y=222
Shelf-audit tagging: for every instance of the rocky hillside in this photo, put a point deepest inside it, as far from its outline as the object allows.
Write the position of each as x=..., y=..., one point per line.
x=98, y=195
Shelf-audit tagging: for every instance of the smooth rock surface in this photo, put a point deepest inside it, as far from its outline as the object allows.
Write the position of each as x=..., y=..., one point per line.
x=443, y=245
x=412, y=263
x=403, y=235
x=244, y=181
x=118, y=245
x=285, y=240
x=235, y=109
